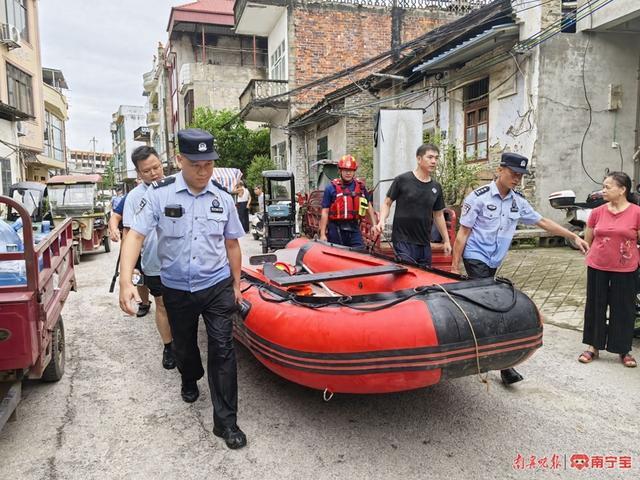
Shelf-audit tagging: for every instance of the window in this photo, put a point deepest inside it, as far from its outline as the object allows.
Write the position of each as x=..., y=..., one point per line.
x=17, y=16
x=54, y=137
x=277, y=71
x=188, y=107
x=279, y=152
x=476, y=120
x=5, y=167
x=322, y=147
x=19, y=89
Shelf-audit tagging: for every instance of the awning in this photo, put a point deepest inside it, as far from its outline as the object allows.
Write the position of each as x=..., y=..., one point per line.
x=50, y=162
x=227, y=177
x=472, y=48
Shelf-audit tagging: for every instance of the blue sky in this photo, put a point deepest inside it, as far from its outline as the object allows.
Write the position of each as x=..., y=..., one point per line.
x=103, y=47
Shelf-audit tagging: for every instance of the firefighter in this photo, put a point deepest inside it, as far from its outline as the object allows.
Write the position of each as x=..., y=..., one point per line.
x=345, y=202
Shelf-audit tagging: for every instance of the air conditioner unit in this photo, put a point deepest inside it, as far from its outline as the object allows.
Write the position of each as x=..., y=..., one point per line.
x=20, y=129
x=9, y=36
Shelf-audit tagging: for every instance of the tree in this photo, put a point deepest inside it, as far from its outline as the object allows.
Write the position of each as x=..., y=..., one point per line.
x=109, y=176
x=453, y=171
x=259, y=164
x=235, y=143
x=364, y=156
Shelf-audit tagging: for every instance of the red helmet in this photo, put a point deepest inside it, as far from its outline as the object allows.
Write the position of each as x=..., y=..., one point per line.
x=347, y=162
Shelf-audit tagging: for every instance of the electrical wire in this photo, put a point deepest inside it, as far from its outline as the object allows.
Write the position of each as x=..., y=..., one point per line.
x=590, y=109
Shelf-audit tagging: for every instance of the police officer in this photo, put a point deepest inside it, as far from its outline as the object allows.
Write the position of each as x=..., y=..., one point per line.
x=488, y=222
x=344, y=204
x=149, y=168
x=198, y=230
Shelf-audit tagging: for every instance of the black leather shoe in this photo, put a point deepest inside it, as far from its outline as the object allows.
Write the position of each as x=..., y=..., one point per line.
x=233, y=436
x=190, y=392
x=510, y=376
x=168, y=360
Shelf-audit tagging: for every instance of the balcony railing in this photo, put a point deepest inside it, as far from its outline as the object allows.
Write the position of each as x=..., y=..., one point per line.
x=153, y=118
x=258, y=90
x=448, y=5
x=149, y=82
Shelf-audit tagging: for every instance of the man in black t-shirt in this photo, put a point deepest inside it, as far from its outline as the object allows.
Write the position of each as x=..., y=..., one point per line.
x=419, y=203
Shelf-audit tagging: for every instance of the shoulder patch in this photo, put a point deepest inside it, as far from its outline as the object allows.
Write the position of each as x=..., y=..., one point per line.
x=518, y=193
x=482, y=190
x=219, y=186
x=164, y=182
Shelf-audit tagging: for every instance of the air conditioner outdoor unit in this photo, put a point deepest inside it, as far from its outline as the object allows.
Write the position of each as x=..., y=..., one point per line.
x=9, y=36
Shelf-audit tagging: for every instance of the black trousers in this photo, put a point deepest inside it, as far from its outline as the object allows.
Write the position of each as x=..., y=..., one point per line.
x=617, y=292
x=216, y=304
x=478, y=269
x=243, y=214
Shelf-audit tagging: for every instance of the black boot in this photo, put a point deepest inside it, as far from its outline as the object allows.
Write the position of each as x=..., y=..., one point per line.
x=510, y=376
x=168, y=360
x=190, y=392
x=233, y=436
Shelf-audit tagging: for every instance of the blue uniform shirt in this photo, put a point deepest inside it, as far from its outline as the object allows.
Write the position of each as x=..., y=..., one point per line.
x=119, y=208
x=191, y=248
x=150, y=261
x=492, y=220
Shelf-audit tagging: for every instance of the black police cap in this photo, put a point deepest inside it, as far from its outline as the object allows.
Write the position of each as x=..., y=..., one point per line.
x=196, y=145
x=515, y=162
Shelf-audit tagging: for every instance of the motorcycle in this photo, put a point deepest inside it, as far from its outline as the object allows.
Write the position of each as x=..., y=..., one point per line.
x=257, y=225
x=576, y=213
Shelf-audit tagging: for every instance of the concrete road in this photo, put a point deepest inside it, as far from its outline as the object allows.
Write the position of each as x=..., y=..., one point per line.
x=118, y=414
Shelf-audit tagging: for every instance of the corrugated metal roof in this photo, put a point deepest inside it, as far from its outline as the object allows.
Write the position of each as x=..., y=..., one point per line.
x=471, y=48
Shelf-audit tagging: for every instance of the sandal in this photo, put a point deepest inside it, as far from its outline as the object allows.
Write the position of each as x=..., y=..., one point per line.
x=587, y=356
x=628, y=361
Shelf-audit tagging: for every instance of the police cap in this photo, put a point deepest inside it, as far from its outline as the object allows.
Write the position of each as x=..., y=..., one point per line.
x=515, y=162
x=196, y=145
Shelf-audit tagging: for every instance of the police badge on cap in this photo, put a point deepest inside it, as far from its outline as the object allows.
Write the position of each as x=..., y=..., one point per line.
x=515, y=162
x=196, y=145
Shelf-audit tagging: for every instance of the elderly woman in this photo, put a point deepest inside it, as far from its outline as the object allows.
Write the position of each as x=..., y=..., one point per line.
x=612, y=232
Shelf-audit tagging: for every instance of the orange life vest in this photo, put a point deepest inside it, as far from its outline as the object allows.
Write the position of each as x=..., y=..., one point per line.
x=347, y=203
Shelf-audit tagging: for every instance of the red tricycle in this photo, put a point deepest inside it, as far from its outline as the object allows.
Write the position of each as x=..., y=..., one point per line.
x=32, y=343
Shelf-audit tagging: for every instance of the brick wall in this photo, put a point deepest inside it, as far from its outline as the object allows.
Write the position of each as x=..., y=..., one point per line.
x=326, y=38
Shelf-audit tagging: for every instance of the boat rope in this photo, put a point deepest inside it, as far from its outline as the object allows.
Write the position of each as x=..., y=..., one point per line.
x=483, y=379
x=348, y=301
x=327, y=395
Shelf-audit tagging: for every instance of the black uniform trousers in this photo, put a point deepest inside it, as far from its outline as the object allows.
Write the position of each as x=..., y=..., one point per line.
x=217, y=305
x=478, y=269
x=617, y=291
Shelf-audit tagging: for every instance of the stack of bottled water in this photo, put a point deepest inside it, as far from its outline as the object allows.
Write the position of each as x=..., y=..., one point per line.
x=12, y=272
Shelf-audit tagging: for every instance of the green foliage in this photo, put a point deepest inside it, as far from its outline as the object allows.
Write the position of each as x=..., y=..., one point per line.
x=364, y=156
x=109, y=176
x=235, y=143
x=454, y=173
x=260, y=163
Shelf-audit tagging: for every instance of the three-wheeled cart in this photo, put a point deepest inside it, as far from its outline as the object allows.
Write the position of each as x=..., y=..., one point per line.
x=77, y=196
x=279, y=214
x=32, y=341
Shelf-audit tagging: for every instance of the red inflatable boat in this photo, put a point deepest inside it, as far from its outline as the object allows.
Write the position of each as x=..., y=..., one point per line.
x=341, y=321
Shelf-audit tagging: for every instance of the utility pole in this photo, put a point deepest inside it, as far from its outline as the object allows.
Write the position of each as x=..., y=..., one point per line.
x=93, y=166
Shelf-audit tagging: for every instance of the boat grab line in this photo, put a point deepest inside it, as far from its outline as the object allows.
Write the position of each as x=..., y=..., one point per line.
x=482, y=378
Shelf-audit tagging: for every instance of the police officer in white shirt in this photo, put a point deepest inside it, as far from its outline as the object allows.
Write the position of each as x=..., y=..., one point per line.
x=198, y=231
